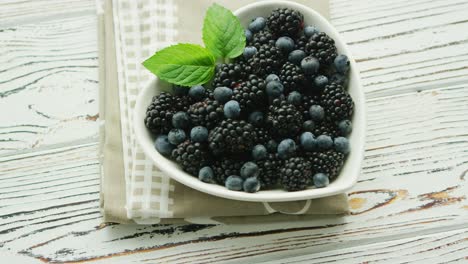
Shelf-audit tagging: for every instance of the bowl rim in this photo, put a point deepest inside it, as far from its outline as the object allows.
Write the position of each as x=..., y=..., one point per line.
x=275, y=195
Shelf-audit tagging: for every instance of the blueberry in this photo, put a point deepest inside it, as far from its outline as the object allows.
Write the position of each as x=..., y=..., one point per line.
x=251, y=185
x=163, y=145
x=296, y=56
x=308, y=125
x=339, y=78
x=295, y=98
x=232, y=109
x=286, y=148
x=320, y=180
x=176, y=136
x=259, y=152
x=324, y=142
x=199, y=134
x=181, y=120
x=197, y=92
x=345, y=127
x=256, y=118
x=342, y=145
x=320, y=81
x=272, y=146
x=257, y=24
x=234, y=183
x=249, y=169
x=308, y=141
x=316, y=112
x=180, y=90
x=248, y=35
x=341, y=63
x=285, y=44
x=310, y=30
x=272, y=77
x=206, y=174
x=310, y=65
x=274, y=89
x=222, y=94
x=249, y=52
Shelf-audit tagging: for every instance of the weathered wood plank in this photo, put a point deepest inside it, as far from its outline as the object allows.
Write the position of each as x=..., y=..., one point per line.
x=414, y=174
x=444, y=247
x=412, y=182
x=48, y=79
x=15, y=12
x=42, y=189
x=406, y=46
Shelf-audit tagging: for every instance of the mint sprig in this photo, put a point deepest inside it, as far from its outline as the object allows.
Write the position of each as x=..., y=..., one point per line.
x=223, y=33
x=190, y=64
x=182, y=64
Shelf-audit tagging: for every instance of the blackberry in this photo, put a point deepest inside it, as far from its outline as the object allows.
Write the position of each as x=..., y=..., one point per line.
x=159, y=113
x=337, y=102
x=251, y=94
x=322, y=47
x=296, y=174
x=182, y=103
x=267, y=60
x=231, y=74
x=326, y=127
x=301, y=43
x=307, y=102
x=284, y=119
x=191, y=156
x=261, y=38
x=207, y=113
x=226, y=167
x=269, y=170
x=292, y=77
x=263, y=136
x=328, y=162
x=285, y=22
x=232, y=136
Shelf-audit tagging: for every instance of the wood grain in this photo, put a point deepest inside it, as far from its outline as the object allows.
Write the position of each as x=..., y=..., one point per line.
x=48, y=77
x=410, y=204
x=14, y=12
x=405, y=46
x=444, y=247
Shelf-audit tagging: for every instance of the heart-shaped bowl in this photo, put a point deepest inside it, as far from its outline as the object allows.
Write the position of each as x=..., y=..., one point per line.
x=351, y=169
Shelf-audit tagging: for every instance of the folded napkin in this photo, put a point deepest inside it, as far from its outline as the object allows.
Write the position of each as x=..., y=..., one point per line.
x=133, y=190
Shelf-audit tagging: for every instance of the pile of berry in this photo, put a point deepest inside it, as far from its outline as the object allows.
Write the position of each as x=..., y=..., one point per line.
x=278, y=115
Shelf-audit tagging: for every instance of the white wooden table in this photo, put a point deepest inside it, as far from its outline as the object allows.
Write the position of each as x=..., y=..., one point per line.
x=410, y=204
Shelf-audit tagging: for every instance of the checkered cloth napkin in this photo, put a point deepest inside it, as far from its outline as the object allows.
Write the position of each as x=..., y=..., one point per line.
x=132, y=187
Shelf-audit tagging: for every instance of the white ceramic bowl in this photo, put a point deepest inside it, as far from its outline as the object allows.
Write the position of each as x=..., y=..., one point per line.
x=349, y=172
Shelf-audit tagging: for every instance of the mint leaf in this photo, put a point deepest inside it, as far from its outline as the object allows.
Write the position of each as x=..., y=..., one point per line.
x=182, y=64
x=223, y=33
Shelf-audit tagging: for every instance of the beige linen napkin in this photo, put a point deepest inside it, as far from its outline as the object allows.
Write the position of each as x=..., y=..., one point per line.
x=182, y=204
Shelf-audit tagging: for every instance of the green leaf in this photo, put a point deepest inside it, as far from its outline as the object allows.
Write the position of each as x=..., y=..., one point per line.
x=223, y=33
x=182, y=64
